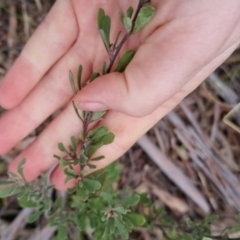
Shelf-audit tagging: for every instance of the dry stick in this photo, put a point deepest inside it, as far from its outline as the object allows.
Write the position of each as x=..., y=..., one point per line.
x=39, y=5
x=12, y=33
x=191, y=118
x=159, y=139
x=220, y=175
x=174, y=173
x=26, y=25
x=214, y=130
x=18, y=223
x=43, y=234
x=205, y=138
x=222, y=89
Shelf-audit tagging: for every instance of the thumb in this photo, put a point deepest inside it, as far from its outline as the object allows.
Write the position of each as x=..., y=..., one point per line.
x=138, y=91
x=147, y=82
x=115, y=92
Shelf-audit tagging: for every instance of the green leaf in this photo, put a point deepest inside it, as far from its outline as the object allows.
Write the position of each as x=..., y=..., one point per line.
x=59, y=202
x=190, y=223
x=69, y=172
x=71, y=79
x=108, y=138
x=124, y=61
x=91, y=150
x=68, y=178
x=109, y=229
x=20, y=168
x=57, y=157
x=34, y=217
x=6, y=192
x=107, y=197
x=79, y=77
x=136, y=219
x=234, y=229
x=106, y=26
x=144, y=199
x=83, y=194
x=61, y=147
x=97, y=158
x=100, y=17
x=121, y=210
x=94, y=76
x=96, y=204
x=81, y=136
x=210, y=219
x=74, y=143
x=27, y=203
x=64, y=163
x=104, y=68
x=104, y=39
x=98, y=132
x=6, y=182
x=104, y=140
x=130, y=12
x=91, y=185
x=2, y=168
x=70, y=148
x=76, y=111
x=128, y=223
x=62, y=233
x=83, y=159
x=145, y=15
x=82, y=221
x=91, y=166
x=127, y=23
x=131, y=201
x=122, y=230
x=97, y=116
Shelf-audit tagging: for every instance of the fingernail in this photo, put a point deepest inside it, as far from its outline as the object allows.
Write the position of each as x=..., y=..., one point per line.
x=92, y=106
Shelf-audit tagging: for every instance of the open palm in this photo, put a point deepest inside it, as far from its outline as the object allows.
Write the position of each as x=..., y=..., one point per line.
x=176, y=51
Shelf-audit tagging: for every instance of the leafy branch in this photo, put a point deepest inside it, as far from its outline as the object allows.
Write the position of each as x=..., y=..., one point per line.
x=110, y=216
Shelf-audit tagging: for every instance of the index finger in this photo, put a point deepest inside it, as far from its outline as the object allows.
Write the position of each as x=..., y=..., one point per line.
x=48, y=43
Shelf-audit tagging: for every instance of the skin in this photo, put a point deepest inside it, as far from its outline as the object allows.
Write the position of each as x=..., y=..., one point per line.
x=180, y=47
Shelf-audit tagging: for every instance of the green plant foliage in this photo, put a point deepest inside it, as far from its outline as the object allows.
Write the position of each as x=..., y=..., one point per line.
x=145, y=15
x=127, y=23
x=104, y=26
x=124, y=61
x=94, y=76
x=71, y=79
x=79, y=77
x=97, y=116
x=61, y=147
x=76, y=111
x=130, y=12
x=20, y=168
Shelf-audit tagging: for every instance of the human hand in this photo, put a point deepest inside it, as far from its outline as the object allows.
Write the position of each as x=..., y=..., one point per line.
x=183, y=44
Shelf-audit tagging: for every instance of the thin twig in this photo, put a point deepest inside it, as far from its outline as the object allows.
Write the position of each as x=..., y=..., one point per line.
x=18, y=223
x=174, y=173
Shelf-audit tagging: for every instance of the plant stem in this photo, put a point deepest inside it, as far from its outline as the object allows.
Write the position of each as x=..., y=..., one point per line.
x=117, y=49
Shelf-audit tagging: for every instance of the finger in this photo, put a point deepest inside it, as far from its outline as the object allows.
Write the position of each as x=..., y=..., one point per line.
x=51, y=93
x=49, y=42
x=162, y=65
